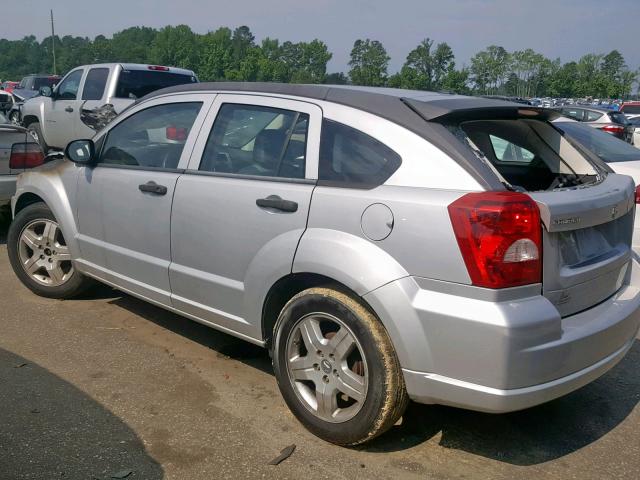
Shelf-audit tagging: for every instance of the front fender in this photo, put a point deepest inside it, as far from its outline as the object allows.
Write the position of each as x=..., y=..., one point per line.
x=353, y=261
x=52, y=183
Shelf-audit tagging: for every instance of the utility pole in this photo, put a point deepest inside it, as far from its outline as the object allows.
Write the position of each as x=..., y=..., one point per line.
x=53, y=44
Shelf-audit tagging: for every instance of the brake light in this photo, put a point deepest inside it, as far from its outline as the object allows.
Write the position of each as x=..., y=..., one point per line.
x=25, y=155
x=176, y=133
x=499, y=235
x=158, y=68
x=613, y=129
x=638, y=195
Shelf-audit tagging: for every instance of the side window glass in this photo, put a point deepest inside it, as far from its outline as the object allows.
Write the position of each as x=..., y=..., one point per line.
x=351, y=158
x=256, y=140
x=95, y=84
x=68, y=89
x=593, y=116
x=506, y=151
x=151, y=138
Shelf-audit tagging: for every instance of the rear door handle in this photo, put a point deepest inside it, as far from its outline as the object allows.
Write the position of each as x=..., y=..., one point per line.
x=153, y=187
x=68, y=109
x=277, y=203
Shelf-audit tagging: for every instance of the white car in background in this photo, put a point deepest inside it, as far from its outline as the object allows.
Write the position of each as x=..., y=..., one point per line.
x=635, y=121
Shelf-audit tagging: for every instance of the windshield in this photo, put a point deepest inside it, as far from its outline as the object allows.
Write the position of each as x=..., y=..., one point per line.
x=138, y=83
x=608, y=148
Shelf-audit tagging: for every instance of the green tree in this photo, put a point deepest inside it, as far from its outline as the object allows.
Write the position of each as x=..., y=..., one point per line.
x=176, y=46
x=132, y=44
x=489, y=69
x=215, y=54
x=425, y=67
x=369, y=63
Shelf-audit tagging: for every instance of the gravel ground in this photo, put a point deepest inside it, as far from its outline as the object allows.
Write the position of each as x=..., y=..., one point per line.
x=110, y=387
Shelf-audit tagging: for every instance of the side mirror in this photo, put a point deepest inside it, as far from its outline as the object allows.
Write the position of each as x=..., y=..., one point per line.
x=46, y=91
x=81, y=151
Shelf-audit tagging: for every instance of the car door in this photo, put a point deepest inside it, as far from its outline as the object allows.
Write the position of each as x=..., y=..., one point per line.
x=60, y=124
x=124, y=200
x=241, y=208
x=93, y=97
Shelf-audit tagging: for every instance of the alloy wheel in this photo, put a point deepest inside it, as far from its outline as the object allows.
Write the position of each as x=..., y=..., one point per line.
x=327, y=367
x=44, y=254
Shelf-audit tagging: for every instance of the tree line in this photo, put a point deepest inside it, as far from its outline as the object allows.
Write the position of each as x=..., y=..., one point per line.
x=234, y=55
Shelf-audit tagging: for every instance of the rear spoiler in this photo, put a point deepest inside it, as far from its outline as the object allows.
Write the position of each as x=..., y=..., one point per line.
x=470, y=108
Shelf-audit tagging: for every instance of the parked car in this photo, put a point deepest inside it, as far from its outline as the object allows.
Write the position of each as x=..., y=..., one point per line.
x=18, y=152
x=619, y=155
x=28, y=87
x=635, y=121
x=8, y=86
x=609, y=121
x=630, y=108
x=64, y=113
x=383, y=244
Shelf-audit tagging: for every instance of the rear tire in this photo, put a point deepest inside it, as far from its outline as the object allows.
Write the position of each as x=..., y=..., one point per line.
x=336, y=367
x=40, y=257
x=36, y=133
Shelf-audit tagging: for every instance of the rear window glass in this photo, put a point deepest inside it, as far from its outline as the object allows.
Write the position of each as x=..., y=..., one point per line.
x=351, y=158
x=608, y=148
x=138, y=83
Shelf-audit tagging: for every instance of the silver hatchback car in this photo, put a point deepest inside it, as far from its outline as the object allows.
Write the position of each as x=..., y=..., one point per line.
x=385, y=245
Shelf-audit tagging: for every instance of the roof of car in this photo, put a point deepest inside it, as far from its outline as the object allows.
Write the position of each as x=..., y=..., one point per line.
x=390, y=103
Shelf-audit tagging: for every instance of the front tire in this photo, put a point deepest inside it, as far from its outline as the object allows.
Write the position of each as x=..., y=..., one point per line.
x=336, y=367
x=40, y=257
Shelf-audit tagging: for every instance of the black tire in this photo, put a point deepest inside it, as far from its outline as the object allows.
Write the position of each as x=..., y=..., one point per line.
x=386, y=397
x=36, y=133
x=75, y=285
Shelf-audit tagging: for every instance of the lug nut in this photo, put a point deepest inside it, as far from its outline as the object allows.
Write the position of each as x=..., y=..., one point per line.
x=325, y=379
x=316, y=366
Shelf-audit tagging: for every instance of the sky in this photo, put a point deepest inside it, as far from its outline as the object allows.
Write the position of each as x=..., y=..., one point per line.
x=556, y=28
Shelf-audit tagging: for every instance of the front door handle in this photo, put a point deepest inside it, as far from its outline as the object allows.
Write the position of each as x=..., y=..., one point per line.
x=277, y=203
x=68, y=109
x=153, y=187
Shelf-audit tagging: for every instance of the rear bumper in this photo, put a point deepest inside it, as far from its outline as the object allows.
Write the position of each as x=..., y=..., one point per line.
x=431, y=388
x=501, y=351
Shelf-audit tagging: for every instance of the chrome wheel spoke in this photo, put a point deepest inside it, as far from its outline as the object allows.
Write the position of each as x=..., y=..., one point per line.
x=341, y=344
x=49, y=233
x=312, y=335
x=56, y=274
x=327, y=400
x=31, y=265
x=62, y=253
x=351, y=384
x=31, y=240
x=303, y=368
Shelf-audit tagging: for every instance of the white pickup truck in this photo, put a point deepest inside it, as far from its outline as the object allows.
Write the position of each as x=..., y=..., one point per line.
x=63, y=114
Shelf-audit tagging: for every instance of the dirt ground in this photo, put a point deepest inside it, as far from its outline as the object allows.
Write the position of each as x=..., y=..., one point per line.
x=110, y=387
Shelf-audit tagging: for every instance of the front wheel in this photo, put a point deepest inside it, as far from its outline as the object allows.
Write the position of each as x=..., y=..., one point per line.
x=336, y=367
x=40, y=257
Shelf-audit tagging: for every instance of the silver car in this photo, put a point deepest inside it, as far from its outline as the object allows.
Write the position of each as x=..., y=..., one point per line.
x=383, y=244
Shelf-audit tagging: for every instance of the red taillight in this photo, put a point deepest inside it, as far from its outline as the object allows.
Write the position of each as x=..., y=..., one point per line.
x=176, y=133
x=158, y=68
x=613, y=129
x=499, y=235
x=25, y=155
x=638, y=195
